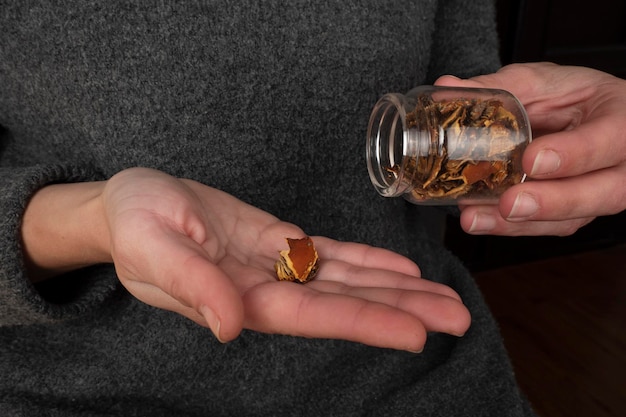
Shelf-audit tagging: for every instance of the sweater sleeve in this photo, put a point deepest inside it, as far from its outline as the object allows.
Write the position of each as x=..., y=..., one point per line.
x=21, y=302
x=465, y=41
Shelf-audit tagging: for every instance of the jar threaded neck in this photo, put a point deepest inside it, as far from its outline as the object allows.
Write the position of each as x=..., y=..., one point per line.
x=387, y=139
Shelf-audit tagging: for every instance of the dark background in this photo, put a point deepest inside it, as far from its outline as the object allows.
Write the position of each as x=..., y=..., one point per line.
x=572, y=32
x=589, y=33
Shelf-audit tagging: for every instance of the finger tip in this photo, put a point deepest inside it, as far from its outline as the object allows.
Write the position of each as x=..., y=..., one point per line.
x=448, y=80
x=230, y=329
x=479, y=220
x=413, y=269
x=463, y=325
x=414, y=350
x=212, y=320
x=227, y=329
x=457, y=319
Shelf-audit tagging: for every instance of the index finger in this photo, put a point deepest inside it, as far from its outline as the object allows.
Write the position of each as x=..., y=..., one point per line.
x=365, y=256
x=597, y=144
x=537, y=83
x=598, y=193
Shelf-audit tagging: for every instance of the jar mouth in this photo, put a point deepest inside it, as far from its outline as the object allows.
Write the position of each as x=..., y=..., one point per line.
x=387, y=139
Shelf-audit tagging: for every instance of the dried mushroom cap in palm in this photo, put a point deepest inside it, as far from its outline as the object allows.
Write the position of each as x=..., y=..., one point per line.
x=299, y=263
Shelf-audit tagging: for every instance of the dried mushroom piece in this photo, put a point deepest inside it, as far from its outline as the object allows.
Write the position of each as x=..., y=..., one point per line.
x=473, y=144
x=299, y=263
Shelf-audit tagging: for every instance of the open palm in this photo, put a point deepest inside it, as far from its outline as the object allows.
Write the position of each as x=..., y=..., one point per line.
x=185, y=247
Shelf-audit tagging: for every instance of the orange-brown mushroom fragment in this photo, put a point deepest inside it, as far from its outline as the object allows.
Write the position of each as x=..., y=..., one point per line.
x=299, y=263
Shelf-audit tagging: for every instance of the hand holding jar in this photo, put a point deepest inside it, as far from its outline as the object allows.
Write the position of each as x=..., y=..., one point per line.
x=576, y=163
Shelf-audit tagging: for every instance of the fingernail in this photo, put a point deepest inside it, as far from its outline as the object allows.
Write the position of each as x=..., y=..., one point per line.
x=524, y=207
x=212, y=320
x=546, y=162
x=482, y=223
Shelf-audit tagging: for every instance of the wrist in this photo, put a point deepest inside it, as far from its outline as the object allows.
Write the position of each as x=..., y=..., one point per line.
x=64, y=228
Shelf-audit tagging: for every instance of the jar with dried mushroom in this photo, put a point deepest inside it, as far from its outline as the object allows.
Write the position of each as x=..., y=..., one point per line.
x=447, y=145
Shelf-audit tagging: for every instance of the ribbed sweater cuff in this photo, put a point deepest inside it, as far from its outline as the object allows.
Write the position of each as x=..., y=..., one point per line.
x=22, y=302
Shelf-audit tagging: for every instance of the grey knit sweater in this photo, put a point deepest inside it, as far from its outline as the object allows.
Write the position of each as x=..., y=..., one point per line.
x=268, y=101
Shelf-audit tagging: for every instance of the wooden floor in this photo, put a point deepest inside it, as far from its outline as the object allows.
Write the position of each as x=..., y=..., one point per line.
x=564, y=324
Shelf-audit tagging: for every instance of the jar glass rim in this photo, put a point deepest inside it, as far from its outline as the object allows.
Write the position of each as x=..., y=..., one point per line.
x=387, y=137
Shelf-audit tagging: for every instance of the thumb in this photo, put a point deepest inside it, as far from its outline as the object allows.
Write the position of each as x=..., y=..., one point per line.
x=176, y=274
x=210, y=292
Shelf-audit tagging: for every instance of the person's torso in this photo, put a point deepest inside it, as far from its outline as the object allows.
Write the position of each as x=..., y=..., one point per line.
x=268, y=101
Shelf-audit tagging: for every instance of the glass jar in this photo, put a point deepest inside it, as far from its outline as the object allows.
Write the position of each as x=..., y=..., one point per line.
x=447, y=145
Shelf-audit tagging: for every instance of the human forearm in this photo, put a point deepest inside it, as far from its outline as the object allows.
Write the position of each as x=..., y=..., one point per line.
x=64, y=228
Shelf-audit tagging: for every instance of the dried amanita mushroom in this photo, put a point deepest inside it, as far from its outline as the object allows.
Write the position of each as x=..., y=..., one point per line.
x=463, y=132
x=299, y=263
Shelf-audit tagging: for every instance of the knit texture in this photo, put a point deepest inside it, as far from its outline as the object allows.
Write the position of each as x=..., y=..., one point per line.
x=268, y=101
